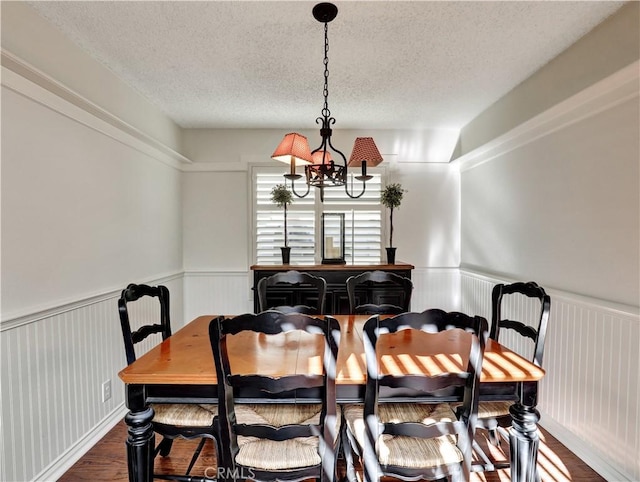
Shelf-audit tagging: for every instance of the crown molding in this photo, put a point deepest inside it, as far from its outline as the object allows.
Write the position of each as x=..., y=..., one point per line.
x=605, y=94
x=30, y=82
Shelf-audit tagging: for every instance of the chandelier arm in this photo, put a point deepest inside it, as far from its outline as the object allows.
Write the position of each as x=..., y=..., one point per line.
x=346, y=190
x=293, y=189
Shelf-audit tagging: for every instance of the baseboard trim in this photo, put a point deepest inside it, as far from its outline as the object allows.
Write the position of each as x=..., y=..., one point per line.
x=589, y=456
x=65, y=461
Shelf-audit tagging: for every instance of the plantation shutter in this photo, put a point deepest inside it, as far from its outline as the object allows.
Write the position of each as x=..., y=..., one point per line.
x=363, y=220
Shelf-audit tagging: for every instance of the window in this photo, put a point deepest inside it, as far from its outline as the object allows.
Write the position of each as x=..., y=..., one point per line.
x=363, y=220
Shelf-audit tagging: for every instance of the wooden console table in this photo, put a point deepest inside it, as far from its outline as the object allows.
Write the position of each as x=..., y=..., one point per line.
x=336, y=276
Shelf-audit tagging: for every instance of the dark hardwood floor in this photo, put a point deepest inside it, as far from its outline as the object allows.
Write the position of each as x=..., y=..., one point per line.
x=107, y=461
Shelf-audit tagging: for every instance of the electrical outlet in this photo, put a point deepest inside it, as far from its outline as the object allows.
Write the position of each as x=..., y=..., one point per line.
x=106, y=390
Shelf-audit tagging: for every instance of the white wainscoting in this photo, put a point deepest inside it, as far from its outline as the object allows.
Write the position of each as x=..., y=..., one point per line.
x=213, y=293
x=217, y=293
x=589, y=397
x=53, y=367
x=435, y=288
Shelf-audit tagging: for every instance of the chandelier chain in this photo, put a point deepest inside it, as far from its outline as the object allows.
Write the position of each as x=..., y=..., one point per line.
x=325, y=110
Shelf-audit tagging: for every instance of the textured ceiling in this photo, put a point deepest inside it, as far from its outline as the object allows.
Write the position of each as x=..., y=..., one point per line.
x=259, y=64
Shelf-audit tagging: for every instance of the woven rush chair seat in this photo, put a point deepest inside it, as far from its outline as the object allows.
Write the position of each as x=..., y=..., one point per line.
x=404, y=451
x=493, y=409
x=184, y=414
x=287, y=454
x=489, y=409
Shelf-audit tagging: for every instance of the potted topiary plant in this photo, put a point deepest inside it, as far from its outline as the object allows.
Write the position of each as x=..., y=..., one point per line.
x=282, y=197
x=391, y=198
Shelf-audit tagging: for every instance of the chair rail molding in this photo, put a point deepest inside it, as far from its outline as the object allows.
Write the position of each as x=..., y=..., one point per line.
x=27, y=80
x=38, y=313
x=609, y=92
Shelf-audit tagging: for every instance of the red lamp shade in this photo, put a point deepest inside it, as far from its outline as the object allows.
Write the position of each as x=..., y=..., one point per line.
x=364, y=149
x=321, y=157
x=294, y=147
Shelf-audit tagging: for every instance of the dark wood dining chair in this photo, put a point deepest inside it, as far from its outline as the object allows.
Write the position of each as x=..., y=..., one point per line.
x=494, y=416
x=404, y=436
x=282, y=437
x=377, y=280
x=170, y=420
x=305, y=293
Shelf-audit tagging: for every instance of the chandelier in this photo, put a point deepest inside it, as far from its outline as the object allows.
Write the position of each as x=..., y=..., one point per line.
x=322, y=168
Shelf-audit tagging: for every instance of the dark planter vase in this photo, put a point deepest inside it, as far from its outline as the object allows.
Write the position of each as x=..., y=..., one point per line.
x=391, y=255
x=286, y=255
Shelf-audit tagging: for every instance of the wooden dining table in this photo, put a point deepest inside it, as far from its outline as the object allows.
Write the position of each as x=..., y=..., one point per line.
x=181, y=370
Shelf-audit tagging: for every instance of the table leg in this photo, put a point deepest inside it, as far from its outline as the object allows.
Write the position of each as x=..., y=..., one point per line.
x=524, y=440
x=141, y=439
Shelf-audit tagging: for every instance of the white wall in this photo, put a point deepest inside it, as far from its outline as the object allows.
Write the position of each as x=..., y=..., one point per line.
x=216, y=221
x=83, y=215
x=550, y=189
x=217, y=212
x=89, y=203
x=80, y=213
x=234, y=147
x=427, y=224
x=563, y=210
x=557, y=200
